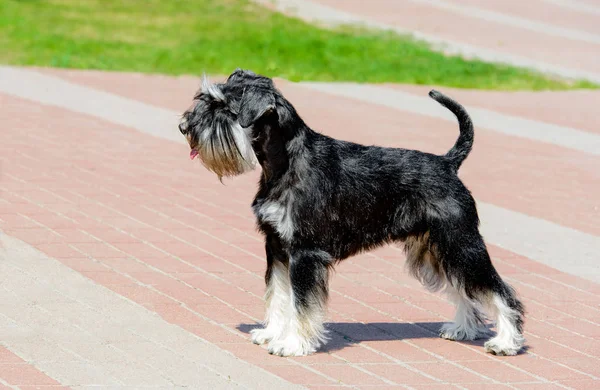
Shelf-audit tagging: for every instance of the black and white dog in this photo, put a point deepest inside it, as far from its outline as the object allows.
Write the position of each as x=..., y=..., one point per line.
x=321, y=200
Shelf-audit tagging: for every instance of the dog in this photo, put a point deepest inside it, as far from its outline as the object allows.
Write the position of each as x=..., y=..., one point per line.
x=322, y=200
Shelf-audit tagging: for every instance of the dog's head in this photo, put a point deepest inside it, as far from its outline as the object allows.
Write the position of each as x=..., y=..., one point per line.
x=227, y=119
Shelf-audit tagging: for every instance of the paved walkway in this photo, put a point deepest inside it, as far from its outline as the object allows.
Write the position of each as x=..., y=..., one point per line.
x=125, y=264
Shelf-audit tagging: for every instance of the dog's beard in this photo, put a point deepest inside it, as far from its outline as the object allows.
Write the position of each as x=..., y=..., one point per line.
x=226, y=150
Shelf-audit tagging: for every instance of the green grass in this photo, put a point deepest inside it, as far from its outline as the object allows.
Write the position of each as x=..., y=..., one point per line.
x=217, y=36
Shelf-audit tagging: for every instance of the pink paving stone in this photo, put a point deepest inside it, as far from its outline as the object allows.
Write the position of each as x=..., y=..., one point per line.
x=149, y=276
x=35, y=236
x=84, y=264
x=213, y=333
x=106, y=277
x=24, y=374
x=168, y=264
x=450, y=350
x=548, y=349
x=399, y=374
x=53, y=221
x=73, y=234
x=589, y=366
x=183, y=293
x=358, y=354
x=253, y=310
x=486, y=386
x=406, y=312
x=585, y=329
x=585, y=384
x=246, y=281
x=223, y=314
x=236, y=296
x=141, y=295
x=211, y=264
x=498, y=370
x=125, y=265
x=549, y=331
x=59, y=251
x=403, y=352
x=16, y=221
x=298, y=374
x=545, y=368
x=449, y=373
x=466, y=386
x=359, y=313
x=140, y=250
x=320, y=357
x=7, y=357
x=111, y=235
x=256, y=354
x=176, y=314
x=558, y=290
x=349, y=374
x=98, y=250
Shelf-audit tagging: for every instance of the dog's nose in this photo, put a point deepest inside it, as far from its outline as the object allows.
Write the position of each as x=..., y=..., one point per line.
x=183, y=127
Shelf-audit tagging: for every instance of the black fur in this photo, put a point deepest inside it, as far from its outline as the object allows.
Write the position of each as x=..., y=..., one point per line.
x=341, y=198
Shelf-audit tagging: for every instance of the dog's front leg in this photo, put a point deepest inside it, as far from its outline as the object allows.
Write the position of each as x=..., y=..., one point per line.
x=277, y=294
x=306, y=310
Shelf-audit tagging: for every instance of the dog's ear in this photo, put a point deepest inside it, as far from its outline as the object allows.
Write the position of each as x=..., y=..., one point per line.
x=255, y=103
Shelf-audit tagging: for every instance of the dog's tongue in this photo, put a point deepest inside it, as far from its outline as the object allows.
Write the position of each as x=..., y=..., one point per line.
x=193, y=153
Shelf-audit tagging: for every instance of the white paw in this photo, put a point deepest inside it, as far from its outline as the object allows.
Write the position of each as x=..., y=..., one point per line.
x=290, y=346
x=261, y=336
x=451, y=331
x=501, y=348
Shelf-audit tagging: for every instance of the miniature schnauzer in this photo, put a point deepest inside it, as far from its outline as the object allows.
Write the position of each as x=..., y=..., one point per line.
x=321, y=200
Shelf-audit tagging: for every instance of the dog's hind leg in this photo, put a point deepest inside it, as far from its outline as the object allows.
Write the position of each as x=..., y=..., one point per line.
x=508, y=311
x=474, y=282
x=423, y=263
x=309, y=278
x=469, y=323
x=277, y=296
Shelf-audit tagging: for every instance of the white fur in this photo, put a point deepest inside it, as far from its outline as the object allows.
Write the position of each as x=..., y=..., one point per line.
x=278, y=306
x=304, y=332
x=244, y=144
x=466, y=325
x=279, y=216
x=508, y=340
x=289, y=331
x=212, y=90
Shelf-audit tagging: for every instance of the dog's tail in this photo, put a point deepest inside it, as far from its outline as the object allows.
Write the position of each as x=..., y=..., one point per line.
x=464, y=143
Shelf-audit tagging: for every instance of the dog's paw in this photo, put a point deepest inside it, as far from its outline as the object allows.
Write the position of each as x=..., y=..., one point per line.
x=501, y=348
x=261, y=336
x=290, y=346
x=455, y=332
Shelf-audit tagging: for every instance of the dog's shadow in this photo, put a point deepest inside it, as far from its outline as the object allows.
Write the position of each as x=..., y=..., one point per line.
x=345, y=334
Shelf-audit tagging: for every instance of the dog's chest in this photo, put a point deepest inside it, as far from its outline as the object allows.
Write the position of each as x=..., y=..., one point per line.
x=277, y=214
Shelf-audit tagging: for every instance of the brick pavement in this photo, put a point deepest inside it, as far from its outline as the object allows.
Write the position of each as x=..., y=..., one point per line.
x=131, y=214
